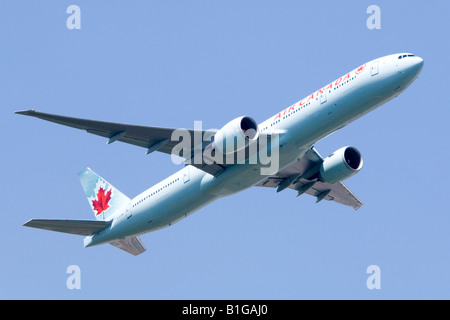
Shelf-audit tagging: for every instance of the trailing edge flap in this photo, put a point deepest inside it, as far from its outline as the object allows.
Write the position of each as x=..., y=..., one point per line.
x=79, y=227
x=131, y=245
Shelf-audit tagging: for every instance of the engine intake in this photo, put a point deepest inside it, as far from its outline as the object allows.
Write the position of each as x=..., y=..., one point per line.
x=341, y=165
x=236, y=135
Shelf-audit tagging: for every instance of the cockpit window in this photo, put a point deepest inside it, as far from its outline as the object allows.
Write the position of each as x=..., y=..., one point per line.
x=406, y=55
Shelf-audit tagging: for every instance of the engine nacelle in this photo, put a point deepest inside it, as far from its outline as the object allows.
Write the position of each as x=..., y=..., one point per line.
x=236, y=135
x=341, y=165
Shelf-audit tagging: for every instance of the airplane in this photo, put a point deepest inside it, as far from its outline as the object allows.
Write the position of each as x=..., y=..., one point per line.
x=290, y=134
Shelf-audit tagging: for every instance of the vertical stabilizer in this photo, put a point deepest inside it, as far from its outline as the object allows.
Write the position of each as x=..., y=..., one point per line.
x=103, y=198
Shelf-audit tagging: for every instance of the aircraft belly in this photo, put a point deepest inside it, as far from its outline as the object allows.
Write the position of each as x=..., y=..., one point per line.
x=173, y=206
x=240, y=177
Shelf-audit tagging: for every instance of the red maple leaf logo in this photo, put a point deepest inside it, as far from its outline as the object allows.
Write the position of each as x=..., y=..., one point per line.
x=101, y=204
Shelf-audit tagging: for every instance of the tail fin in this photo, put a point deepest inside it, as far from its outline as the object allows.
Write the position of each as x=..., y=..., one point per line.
x=103, y=198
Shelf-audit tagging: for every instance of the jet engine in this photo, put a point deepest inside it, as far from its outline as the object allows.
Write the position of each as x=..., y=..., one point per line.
x=341, y=165
x=236, y=135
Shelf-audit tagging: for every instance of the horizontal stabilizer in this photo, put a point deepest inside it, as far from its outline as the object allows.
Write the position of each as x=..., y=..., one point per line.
x=131, y=245
x=80, y=227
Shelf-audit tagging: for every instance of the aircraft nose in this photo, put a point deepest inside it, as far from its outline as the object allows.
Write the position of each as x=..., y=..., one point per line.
x=417, y=64
x=413, y=65
x=409, y=67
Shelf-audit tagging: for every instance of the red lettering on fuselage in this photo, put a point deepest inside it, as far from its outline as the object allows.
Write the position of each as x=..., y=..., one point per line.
x=320, y=91
x=277, y=116
x=360, y=69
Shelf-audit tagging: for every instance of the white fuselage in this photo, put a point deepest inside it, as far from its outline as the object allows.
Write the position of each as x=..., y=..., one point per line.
x=300, y=126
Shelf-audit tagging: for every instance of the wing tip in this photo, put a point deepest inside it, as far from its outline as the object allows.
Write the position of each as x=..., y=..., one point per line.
x=28, y=223
x=25, y=112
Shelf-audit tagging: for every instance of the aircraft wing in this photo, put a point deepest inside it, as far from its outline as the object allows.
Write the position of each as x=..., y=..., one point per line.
x=150, y=138
x=293, y=177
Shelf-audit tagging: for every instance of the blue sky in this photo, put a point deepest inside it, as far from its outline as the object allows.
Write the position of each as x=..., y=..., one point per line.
x=169, y=63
